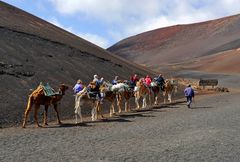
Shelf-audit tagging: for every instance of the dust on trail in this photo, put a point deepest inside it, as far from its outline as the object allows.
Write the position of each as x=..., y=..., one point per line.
x=208, y=132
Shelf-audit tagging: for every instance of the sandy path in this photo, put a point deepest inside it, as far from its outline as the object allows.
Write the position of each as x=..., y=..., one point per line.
x=209, y=132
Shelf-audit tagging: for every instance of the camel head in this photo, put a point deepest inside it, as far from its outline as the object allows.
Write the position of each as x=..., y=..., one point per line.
x=63, y=88
x=103, y=88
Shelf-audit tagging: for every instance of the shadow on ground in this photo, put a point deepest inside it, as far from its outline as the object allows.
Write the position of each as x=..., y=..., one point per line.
x=123, y=117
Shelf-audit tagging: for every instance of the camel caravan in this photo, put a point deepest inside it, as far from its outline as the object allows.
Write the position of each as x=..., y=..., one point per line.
x=99, y=91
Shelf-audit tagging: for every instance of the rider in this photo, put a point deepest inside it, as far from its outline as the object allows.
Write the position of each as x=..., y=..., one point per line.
x=115, y=80
x=98, y=83
x=148, y=80
x=160, y=81
x=133, y=80
x=78, y=87
x=97, y=80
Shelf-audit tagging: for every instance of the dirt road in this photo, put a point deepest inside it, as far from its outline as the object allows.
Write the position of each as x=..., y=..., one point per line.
x=208, y=132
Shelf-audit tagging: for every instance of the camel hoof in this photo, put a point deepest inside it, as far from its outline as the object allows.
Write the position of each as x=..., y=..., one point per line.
x=38, y=126
x=23, y=126
x=59, y=123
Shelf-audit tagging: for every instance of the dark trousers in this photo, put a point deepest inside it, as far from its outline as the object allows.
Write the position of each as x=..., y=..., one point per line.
x=189, y=100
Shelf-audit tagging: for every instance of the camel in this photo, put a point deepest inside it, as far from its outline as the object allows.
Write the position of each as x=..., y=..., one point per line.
x=109, y=95
x=37, y=98
x=141, y=90
x=124, y=94
x=111, y=92
x=120, y=91
x=169, y=88
x=155, y=89
x=84, y=97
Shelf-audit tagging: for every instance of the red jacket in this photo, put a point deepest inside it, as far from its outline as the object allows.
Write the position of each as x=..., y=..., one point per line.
x=148, y=80
x=134, y=79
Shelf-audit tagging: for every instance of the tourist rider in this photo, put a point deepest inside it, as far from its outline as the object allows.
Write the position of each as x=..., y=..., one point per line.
x=98, y=82
x=148, y=80
x=160, y=81
x=115, y=80
x=78, y=87
x=133, y=80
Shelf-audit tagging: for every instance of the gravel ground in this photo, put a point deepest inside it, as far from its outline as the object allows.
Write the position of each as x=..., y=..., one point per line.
x=208, y=132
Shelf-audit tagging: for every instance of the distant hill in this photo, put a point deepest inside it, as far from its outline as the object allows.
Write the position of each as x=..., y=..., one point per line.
x=33, y=50
x=169, y=49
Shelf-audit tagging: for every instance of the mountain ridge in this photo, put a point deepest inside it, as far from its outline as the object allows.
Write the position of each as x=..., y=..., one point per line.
x=33, y=51
x=189, y=40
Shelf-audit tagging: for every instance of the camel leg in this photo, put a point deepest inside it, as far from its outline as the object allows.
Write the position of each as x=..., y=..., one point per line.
x=144, y=102
x=78, y=109
x=126, y=106
x=56, y=110
x=94, y=113
x=150, y=100
x=99, y=110
x=111, y=109
x=164, y=97
x=164, y=100
x=78, y=113
x=170, y=97
x=119, y=100
x=136, y=102
x=28, y=109
x=36, y=115
x=156, y=99
x=129, y=109
x=76, y=118
x=45, y=115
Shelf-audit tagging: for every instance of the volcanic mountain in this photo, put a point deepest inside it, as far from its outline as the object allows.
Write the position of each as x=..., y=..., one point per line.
x=33, y=51
x=211, y=46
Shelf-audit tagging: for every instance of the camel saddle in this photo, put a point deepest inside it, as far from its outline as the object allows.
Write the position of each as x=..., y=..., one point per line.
x=48, y=90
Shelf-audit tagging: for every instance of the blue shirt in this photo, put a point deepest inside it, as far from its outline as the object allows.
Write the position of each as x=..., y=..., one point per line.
x=189, y=92
x=114, y=82
x=77, y=88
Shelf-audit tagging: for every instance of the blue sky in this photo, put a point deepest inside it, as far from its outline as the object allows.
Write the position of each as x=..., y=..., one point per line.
x=105, y=22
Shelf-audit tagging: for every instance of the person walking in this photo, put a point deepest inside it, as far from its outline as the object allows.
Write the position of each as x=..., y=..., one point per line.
x=189, y=94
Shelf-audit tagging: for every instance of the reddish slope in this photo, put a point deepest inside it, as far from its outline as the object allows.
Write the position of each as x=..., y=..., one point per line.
x=225, y=62
x=182, y=42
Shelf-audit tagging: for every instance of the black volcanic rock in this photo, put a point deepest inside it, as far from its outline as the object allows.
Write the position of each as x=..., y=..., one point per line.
x=33, y=51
